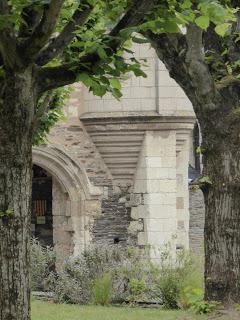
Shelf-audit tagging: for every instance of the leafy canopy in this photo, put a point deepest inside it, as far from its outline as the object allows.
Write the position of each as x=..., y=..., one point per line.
x=90, y=41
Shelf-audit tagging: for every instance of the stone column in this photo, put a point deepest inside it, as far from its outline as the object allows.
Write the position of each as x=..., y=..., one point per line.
x=62, y=234
x=155, y=181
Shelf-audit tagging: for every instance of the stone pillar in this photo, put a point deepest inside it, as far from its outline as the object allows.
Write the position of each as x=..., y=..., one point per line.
x=62, y=231
x=182, y=203
x=156, y=183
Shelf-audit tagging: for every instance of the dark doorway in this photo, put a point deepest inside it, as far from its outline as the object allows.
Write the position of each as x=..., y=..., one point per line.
x=42, y=219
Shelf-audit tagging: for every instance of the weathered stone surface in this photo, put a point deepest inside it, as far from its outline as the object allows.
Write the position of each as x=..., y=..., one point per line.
x=196, y=224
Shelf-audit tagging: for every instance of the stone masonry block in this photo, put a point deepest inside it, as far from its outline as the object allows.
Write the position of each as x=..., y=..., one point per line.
x=135, y=200
x=142, y=239
x=139, y=212
x=135, y=226
x=161, y=186
x=159, y=198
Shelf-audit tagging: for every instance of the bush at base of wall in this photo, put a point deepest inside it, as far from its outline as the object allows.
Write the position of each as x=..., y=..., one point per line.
x=110, y=274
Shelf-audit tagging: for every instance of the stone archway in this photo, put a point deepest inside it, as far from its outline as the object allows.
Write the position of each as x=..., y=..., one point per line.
x=72, y=197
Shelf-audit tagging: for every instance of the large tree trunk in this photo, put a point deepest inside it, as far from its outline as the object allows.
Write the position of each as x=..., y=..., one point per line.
x=16, y=114
x=221, y=146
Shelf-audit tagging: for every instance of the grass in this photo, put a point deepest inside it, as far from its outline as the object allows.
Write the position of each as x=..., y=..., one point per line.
x=51, y=311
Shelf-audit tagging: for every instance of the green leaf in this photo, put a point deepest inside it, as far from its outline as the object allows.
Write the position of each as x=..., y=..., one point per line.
x=115, y=83
x=139, y=40
x=116, y=93
x=202, y=22
x=186, y=4
x=102, y=53
x=222, y=29
x=98, y=89
x=171, y=27
x=125, y=33
x=85, y=79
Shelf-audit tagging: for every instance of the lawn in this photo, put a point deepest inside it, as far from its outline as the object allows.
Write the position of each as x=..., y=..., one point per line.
x=51, y=311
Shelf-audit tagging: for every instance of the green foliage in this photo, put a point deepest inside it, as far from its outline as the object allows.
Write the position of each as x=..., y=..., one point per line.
x=82, y=276
x=92, y=37
x=192, y=282
x=6, y=213
x=173, y=277
x=198, y=305
x=234, y=115
x=205, y=180
x=102, y=290
x=203, y=22
x=115, y=61
x=42, y=264
x=112, y=274
x=53, y=114
x=138, y=289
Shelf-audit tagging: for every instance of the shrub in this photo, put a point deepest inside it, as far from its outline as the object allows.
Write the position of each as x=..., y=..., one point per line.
x=42, y=264
x=138, y=291
x=75, y=283
x=102, y=290
x=175, y=275
x=192, y=283
x=134, y=278
x=197, y=303
x=104, y=274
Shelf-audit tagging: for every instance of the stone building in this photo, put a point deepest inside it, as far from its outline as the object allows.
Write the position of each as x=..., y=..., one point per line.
x=117, y=172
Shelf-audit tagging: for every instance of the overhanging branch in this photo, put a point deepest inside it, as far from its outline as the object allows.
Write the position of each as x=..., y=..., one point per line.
x=57, y=45
x=4, y=7
x=201, y=78
x=43, y=31
x=54, y=77
x=8, y=41
x=31, y=18
x=171, y=50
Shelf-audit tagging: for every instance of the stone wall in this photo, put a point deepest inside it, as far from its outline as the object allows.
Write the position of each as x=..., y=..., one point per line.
x=112, y=226
x=196, y=224
x=157, y=92
x=107, y=221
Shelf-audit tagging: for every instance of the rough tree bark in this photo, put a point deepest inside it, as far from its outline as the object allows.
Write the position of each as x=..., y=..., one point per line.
x=16, y=121
x=221, y=140
x=217, y=108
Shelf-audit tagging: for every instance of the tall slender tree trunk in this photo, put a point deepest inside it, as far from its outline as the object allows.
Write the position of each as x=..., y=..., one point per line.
x=16, y=114
x=221, y=140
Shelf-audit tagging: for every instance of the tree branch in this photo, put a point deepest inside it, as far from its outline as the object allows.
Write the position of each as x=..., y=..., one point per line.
x=51, y=78
x=183, y=56
x=42, y=109
x=227, y=81
x=31, y=18
x=7, y=39
x=134, y=16
x=43, y=31
x=201, y=79
x=57, y=45
x=171, y=50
